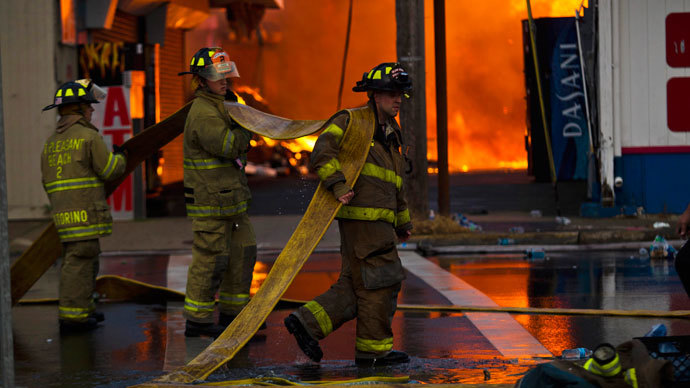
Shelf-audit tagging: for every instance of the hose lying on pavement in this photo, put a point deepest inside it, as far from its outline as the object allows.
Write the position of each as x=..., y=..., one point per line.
x=374, y=381
x=278, y=381
x=115, y=288
x=548, y=311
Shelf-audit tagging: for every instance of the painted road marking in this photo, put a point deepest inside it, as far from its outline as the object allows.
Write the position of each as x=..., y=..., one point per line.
x=175, y=344
x=177, y=272
x=504, y=332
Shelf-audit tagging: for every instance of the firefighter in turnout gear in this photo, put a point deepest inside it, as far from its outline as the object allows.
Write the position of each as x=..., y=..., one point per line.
x=75, y=163
x=373, y=214
x=628, y=365
x=217, y=198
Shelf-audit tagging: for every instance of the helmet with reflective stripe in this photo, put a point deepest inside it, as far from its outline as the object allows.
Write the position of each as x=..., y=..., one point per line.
x=387, y=76
x=604, y=362
x=81, y=91
x=213, y=64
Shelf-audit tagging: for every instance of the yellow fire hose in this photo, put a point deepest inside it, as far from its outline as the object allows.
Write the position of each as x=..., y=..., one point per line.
x=319, y=215
x=273, y=381
x=375, y=381
x=547, y=137
x=115, y=288
x=36, y=260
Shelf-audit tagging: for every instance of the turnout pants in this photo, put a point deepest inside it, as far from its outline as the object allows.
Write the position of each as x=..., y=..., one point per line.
x=223, y=258
x=367, y=289
x=78, y=279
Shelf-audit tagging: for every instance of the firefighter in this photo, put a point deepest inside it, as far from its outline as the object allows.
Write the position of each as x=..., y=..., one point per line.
x=75, y=163
x=373, y=214
x=629, y=365
x=217, y=198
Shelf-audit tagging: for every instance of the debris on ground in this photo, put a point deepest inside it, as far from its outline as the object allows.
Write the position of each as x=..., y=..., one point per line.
x=463, y=221
x=535, y=253
x=438, y=225
x=661, y=249
x=563, y=220
x=506, y=241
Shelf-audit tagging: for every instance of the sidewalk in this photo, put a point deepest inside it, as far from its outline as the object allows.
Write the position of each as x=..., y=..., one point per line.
x=547, y=230
x=173, y=234
x=496, y=201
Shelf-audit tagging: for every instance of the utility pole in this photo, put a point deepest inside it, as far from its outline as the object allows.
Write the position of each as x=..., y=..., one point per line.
x=409, y=15
x=6, y=342
x=441, y=107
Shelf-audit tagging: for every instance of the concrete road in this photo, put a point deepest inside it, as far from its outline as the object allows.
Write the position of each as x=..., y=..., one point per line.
x=138, y=342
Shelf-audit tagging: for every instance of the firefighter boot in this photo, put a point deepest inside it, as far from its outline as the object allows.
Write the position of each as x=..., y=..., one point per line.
x=226, y=319
x=98, y=316
x=392, y=358
x=196, y=329
x=309, y=345
x=72, y=326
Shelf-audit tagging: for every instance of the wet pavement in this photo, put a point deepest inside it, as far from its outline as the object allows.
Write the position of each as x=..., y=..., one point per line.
x=138, y=342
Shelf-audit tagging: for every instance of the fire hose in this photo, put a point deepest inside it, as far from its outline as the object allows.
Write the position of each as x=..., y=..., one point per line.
x=121, y=289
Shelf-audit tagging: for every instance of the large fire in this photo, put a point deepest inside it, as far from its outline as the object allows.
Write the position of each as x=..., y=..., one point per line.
x=486, y=92
x=297, y=67
x=296, y=147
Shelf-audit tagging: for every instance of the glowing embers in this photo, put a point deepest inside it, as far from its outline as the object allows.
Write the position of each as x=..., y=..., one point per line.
x=284, y=156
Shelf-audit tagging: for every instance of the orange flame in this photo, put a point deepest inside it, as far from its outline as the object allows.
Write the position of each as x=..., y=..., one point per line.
x=249, y=90
x=486, y=92
x=486, y=105
x=302, y=144
x=296, y=146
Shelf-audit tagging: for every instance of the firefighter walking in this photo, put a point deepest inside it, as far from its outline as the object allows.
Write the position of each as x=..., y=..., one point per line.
x=75, y=163
x=373, y=215
x=217, y=198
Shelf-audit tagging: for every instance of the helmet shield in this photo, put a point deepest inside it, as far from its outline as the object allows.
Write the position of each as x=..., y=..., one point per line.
x=96, y=91
x=213, y=64
x=219, y=70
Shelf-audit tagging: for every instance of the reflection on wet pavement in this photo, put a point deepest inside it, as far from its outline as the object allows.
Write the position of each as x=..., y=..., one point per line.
x=137, y=342
x=599, y=280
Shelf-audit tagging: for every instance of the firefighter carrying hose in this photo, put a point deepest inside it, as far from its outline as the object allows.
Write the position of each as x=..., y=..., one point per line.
x=217, y=198
x=373, y=214
x=75, y=163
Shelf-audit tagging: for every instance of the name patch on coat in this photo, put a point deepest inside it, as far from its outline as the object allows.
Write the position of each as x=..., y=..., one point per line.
x=71, y=217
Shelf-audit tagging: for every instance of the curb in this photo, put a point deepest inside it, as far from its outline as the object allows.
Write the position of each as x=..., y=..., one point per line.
x=574, y=237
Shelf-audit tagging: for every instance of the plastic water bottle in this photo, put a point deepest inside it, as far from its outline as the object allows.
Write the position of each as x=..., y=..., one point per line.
x=660, y=248
x=506, y=241
x=576, y=354
x=535, y=253
x=658, y=330
x=563, y=220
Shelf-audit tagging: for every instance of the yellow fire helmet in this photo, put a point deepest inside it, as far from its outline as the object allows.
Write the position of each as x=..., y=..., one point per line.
x=213, y=64
x=76, y=92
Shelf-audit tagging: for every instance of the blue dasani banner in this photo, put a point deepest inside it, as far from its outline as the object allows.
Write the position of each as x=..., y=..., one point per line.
x=569, y=129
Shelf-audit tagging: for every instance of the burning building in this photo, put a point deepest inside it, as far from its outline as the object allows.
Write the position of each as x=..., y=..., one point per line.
x=290, y=58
